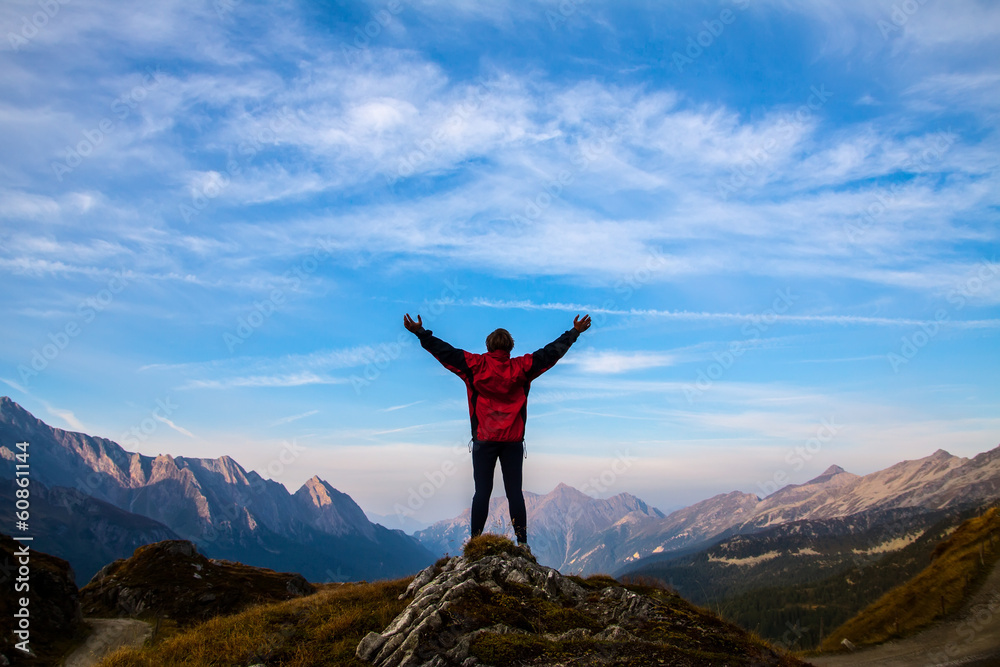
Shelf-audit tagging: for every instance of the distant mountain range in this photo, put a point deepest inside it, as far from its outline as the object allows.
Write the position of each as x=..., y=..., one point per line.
x=560, y=523
x=108, y=499
x=398, y=521
x=807, y=557
x=128, y=498
x=793, y=553
x=573, y=532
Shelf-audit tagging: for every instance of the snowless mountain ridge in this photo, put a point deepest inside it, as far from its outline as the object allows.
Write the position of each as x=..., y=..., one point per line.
x=215, y=503
x=607, y=535
x=217, y=488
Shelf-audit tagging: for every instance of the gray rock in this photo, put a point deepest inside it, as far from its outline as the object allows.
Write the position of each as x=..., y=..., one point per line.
x=369, y=646
x=104, y=571
x=422, y=578
x=616, y=633
x=575, y=633
x=443, y=620
x=179, y=548
x=517, y=577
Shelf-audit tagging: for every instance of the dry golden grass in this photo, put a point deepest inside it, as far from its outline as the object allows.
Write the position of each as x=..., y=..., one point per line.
x=326, y=627
x=186, y=588
x=959, y=564
x=489, y=544
x=320, y=629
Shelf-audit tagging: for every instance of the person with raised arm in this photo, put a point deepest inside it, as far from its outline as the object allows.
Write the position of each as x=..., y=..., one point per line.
x=497, y=387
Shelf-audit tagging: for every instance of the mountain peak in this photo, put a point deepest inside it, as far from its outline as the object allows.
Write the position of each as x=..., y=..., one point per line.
x=565, y=493
x=333, y=511
x=830, y=473
x=12, y=410
x=215, y=500
x=230, y=469
x=320, y=492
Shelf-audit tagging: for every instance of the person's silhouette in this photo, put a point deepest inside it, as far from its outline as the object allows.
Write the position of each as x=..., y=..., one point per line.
x=497, y=388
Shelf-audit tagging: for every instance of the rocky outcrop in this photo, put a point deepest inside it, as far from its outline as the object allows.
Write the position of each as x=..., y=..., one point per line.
x=504, y=608
x=171, y=579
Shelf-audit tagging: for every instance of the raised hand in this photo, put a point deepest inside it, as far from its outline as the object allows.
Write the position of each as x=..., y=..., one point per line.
x=581, y=325
x=412, y=326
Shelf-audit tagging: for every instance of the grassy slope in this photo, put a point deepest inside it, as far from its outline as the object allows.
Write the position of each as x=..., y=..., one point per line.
x=326, y=627
x=796, y=615
x=321, y=629
x=185, y=588
x=960, y=563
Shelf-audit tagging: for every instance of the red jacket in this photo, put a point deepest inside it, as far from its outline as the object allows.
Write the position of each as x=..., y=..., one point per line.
x=497, y=385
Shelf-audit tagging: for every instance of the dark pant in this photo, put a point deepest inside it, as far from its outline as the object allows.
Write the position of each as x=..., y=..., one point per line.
x=484, y=461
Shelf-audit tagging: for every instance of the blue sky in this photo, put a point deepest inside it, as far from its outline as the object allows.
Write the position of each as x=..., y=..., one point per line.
x=782, y=217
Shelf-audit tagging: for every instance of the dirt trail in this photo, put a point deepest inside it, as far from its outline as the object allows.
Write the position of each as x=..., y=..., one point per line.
x=973, y=639
x=108, y=635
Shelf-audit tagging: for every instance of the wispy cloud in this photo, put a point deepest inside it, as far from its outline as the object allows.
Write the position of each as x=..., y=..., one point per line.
x=320, y=359
x=66, y=416
x=839, y=360
x=14, y=385
x=262, y=381
x=293, y=418
x=737, y=317
x=171, y=424
x=614, y=362
x=401, y=407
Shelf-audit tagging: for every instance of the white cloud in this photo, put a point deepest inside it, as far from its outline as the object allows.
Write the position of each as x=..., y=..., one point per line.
x=263, y=381
x=67, y=416
x=14, y=385
x=770, y=316
x=609, y=362
x=293, y=418
x=401, y=407
x=179, y=429
x=397, y=116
